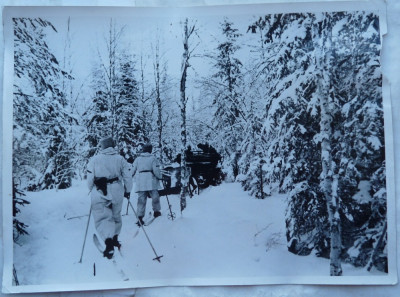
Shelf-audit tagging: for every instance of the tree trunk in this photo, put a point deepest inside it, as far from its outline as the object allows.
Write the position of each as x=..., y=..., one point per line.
x=329, y=180
x=143, y=100
x=184, y=67
x=158, y=101
x=183, y=101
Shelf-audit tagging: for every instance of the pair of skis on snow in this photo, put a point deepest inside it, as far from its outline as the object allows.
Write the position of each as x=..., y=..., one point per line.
x=101, y=249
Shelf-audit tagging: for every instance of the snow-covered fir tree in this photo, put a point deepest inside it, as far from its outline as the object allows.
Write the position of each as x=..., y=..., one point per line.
x=41, y=144
x=280, y=119
x=129, y=122
x=292, y=136
x=59, y=168
x=225, y=85
x=288, y=125
x=101, y=119
x=252, y=158
x=96, y=122
x=115, y=108
x=362, y=124
x=19, y=227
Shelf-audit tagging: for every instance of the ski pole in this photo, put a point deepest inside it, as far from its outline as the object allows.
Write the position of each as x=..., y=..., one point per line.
x=171, y=214
x=77, y=217
x=148, y=239
x=84, y=239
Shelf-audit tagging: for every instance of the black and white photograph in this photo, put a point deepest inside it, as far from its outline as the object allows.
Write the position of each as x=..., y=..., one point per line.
x=210, y=145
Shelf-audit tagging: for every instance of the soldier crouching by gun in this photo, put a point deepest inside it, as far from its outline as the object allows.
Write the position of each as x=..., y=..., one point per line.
x=109, y=180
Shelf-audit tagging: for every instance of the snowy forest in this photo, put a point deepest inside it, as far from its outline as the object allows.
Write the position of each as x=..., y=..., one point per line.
x=292, y=102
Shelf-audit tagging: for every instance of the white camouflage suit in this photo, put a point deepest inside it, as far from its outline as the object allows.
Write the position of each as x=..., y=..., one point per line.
x=107, y=209
x=147, y=170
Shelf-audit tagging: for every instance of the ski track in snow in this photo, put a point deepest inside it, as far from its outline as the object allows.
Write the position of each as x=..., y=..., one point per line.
x=222, y=233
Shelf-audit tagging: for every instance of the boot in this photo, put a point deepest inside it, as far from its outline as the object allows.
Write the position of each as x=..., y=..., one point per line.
x=116, y=243
x=109, y=251
x=140, y=222
x=157, y=214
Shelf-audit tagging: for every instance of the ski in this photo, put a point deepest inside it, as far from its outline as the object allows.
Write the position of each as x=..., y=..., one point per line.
x=101, y=249
x=136, y=233
x=151, y=219
x=148, y=222
x=97, y=243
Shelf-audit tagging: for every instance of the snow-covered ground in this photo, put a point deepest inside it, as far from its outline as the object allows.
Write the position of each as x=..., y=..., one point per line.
x=223, y=233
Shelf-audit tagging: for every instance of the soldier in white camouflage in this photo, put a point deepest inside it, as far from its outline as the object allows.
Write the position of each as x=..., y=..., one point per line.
x=109, y=179
x=146, y=169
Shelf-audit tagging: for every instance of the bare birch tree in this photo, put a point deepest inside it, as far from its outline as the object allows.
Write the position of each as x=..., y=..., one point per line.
x=188, y=31
x=160, y=78
x=329, y=176
x=157, y=79
x=144, y=99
